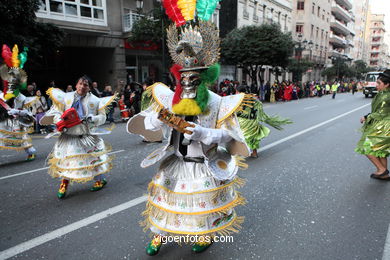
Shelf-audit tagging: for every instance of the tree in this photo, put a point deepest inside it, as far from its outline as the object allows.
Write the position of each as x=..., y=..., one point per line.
x=252, y=47
x=360, y=68
x=19, y=26
x=339, y=70
x=150, y=27
x=297, y=67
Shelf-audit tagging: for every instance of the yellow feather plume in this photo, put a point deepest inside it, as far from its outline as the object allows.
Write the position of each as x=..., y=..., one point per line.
x=15, y=59
x=187, y=8
x=187, y=107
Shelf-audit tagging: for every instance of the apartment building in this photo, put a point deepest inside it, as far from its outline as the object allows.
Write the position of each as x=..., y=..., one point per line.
x=377, y=48
x=312, y=33
x=342, y=30
x=239, y=13
x=95, y=43
x=360, y=10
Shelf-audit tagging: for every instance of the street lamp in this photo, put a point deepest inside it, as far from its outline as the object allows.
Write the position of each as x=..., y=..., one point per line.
x=140, y=5
x=299, y=47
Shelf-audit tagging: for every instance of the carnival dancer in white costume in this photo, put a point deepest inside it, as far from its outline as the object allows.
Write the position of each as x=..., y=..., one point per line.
x=194, y=191
x=79, y=154
x=16, y=122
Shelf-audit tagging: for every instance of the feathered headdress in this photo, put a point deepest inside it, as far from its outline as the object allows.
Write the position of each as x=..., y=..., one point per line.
x=193, y=47
x=12, y=73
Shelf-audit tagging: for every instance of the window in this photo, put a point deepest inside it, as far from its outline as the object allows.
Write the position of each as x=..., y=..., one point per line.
x=301, y=5
x=312, y=31
x=317, y=33
x=318, y=11
x=313, y=8
x=81, y=11
x=299, y=28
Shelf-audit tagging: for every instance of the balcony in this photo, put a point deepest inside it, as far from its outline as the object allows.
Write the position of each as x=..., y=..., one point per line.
x=375, y=51
x=337, y=40
x=129, y=19
x=341, y=13
x=350, y=43
x=334, y=53
x=339, y=27
x=346, y=3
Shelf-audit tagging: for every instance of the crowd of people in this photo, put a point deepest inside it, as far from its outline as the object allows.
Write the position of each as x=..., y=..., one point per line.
x=130, y=94
x=288, y=90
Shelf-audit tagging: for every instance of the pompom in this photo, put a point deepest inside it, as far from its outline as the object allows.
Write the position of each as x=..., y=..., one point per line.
x=7, y=55
x=173, y=12
x=211, y=74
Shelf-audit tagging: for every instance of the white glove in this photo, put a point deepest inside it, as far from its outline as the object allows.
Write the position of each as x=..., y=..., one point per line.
x=13, y=112
x=207, y=135
x=152, y=123
x=90, y=118
x=24, y=113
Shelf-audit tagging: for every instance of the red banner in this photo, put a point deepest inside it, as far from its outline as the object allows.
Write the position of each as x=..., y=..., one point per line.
x=142, y=45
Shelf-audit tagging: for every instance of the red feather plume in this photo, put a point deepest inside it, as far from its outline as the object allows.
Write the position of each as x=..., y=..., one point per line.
x=173, y=12
x=177, y=74
x=7, y=55
x=5, y=86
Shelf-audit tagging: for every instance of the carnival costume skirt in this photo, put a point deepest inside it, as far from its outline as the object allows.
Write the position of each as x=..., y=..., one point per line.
x=79, y=158
x=14, y=136
x=376, y=138
x=185, y=199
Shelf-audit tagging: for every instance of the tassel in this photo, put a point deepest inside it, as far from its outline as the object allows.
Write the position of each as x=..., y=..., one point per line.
x=173, y=12
x=15, y=59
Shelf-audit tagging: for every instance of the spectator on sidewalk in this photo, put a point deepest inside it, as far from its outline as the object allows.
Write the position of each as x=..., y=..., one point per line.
x=95, y=89
x=106, y=93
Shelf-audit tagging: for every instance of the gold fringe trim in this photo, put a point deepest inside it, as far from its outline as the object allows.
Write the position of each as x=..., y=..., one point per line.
x=54, y=174
x=154, y=95
x=29, y=131
x=53, y=165
x=15, y=141
x=56, y=102
x=237, y=183
x=247, y=100
x=31, y=103
x=233, y=226
x=239, y=200
x=112, y=99
x=240, y=162
x=15, y=148
x=108, y=149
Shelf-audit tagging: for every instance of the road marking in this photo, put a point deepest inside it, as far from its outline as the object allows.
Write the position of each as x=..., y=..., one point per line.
x=266, y=147
x=386, y=250
x=310, y=107
x=91, y=219
x=41, y=169
x=69, y=228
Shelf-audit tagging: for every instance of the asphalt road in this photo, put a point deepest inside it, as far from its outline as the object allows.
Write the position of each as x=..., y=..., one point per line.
x=309, y=197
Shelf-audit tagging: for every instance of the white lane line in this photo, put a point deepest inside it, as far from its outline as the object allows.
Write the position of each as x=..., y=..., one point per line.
x=69, y=228
x=84, y=222
x=266, y=147
x=386, y=250
x=310, y=107
x=41, y=169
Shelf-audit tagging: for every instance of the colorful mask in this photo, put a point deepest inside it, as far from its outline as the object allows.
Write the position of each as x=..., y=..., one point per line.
x=12, y=73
